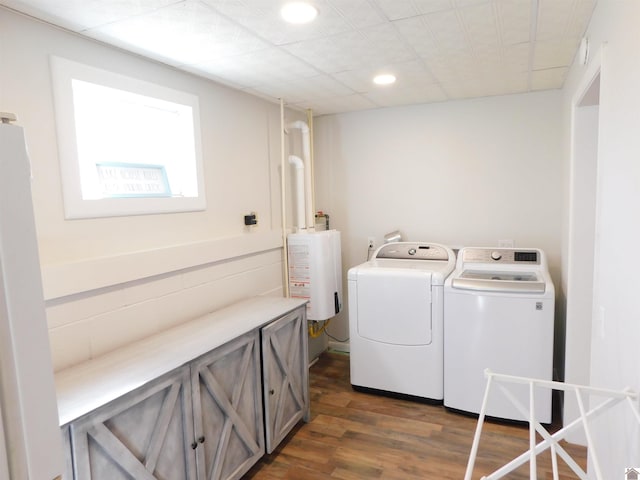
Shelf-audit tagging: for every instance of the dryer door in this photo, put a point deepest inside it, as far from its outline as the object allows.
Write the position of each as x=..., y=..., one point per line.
x=394, y=306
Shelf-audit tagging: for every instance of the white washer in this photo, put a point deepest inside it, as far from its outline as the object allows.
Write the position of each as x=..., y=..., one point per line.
x=396, y=319
x=499, y=314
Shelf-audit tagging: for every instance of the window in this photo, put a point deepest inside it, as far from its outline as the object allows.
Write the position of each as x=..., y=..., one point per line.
x=127, y=147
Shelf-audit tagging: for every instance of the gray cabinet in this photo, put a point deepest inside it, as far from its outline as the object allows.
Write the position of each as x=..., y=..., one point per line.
x=207, y=420
x=67, y=474
x=144, y=435
x=227, y=409
x=285, y=376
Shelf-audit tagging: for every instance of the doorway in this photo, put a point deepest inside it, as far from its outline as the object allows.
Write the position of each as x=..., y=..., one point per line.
x=582, y=241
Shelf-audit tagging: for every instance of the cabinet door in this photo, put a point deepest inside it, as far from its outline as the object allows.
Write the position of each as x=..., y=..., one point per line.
x=67, y=474
x=285, y=375
x=227, y=408
x=144, y=435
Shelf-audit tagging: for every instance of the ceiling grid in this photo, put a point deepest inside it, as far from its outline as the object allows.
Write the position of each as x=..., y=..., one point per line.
x=438, y=49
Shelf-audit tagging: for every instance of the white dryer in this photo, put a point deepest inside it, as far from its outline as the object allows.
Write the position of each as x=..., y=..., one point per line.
x=396, y=319
x=499, y=314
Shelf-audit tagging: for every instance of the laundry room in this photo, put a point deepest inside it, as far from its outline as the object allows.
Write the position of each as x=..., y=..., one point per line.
x=473, y=172
x=496, y=170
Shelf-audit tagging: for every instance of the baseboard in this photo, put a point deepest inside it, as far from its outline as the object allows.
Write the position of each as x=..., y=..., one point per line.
x=339, y=346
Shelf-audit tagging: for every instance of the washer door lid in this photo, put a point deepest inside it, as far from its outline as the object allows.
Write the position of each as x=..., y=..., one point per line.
x=394, y=306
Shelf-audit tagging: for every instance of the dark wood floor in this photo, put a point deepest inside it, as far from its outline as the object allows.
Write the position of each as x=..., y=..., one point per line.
x=355, y=435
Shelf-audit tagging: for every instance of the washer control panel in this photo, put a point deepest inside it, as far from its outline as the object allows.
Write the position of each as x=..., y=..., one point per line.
x=413, y=251
x=505, y=256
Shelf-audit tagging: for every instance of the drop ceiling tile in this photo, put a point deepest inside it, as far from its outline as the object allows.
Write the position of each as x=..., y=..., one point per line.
x=516, y=82
x=473, y=89
x=210, y=76
x=552, y=18
x=446, y=68
x=448, y=31
x=394, y=95
x=179, y=32
x=460, y=91
x=556, y=53
x=397, y=9
x=329, y=54
x=580, y=18
x=551, y=78
x=270, y=65
x=369, y=47
x=479, y=23
x=298, y=89
x=358, y=13
x=488, y=82
x=78, y=15
x=418, y=35
x=349, y=103
x=263, y=18
x=516, y=57
x=385, y=45
x=322, y=86
x=514, y=20
x=563, y=18
x=487, y=53
x=408, y=75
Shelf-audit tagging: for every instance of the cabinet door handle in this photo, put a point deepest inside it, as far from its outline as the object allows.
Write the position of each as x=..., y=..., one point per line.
x=201, y=439
x=194, y=445
x=272, y=391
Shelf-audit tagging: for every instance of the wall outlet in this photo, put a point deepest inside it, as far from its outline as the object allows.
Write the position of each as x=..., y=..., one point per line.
x=372, y=242
x=507, y=243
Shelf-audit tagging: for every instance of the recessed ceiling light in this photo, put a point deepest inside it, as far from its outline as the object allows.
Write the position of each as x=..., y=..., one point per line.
x=298, y=12
x=384, y=79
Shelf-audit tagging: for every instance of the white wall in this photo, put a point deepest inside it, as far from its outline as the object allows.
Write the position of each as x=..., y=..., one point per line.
x=468, y=172
x=110, y=281
x=614, y=32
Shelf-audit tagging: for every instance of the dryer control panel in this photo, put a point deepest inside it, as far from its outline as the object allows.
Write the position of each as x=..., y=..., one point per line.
x=413, y=251
x=504, y=256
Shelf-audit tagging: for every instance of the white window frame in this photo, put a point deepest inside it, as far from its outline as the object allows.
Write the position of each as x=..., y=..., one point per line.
x=64, y=71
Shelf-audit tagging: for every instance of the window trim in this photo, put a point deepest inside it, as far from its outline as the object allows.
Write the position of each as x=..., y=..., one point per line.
x=75, y=207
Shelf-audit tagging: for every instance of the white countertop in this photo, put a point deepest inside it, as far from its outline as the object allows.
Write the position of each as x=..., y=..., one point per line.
x=83, y=388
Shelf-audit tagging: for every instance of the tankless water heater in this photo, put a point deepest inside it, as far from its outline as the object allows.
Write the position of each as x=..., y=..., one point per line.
x=315, y=272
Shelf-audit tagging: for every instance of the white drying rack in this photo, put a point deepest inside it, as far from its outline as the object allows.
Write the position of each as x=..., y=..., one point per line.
x=613, y=397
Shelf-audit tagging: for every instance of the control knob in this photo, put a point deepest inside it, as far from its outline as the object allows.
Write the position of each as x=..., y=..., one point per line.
x=496, y=255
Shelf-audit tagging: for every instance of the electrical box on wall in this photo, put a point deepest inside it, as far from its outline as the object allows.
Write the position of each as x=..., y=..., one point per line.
x=315, y=272
x=250, y=219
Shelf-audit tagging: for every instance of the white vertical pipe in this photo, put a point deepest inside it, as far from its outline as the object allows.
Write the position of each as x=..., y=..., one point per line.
x=299, y=181
x=283, y=204
x=308, y=183
x=312, y=167
x=306, y=155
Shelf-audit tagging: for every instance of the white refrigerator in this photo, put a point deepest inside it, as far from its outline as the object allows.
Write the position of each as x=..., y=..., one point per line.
x=31, y=441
